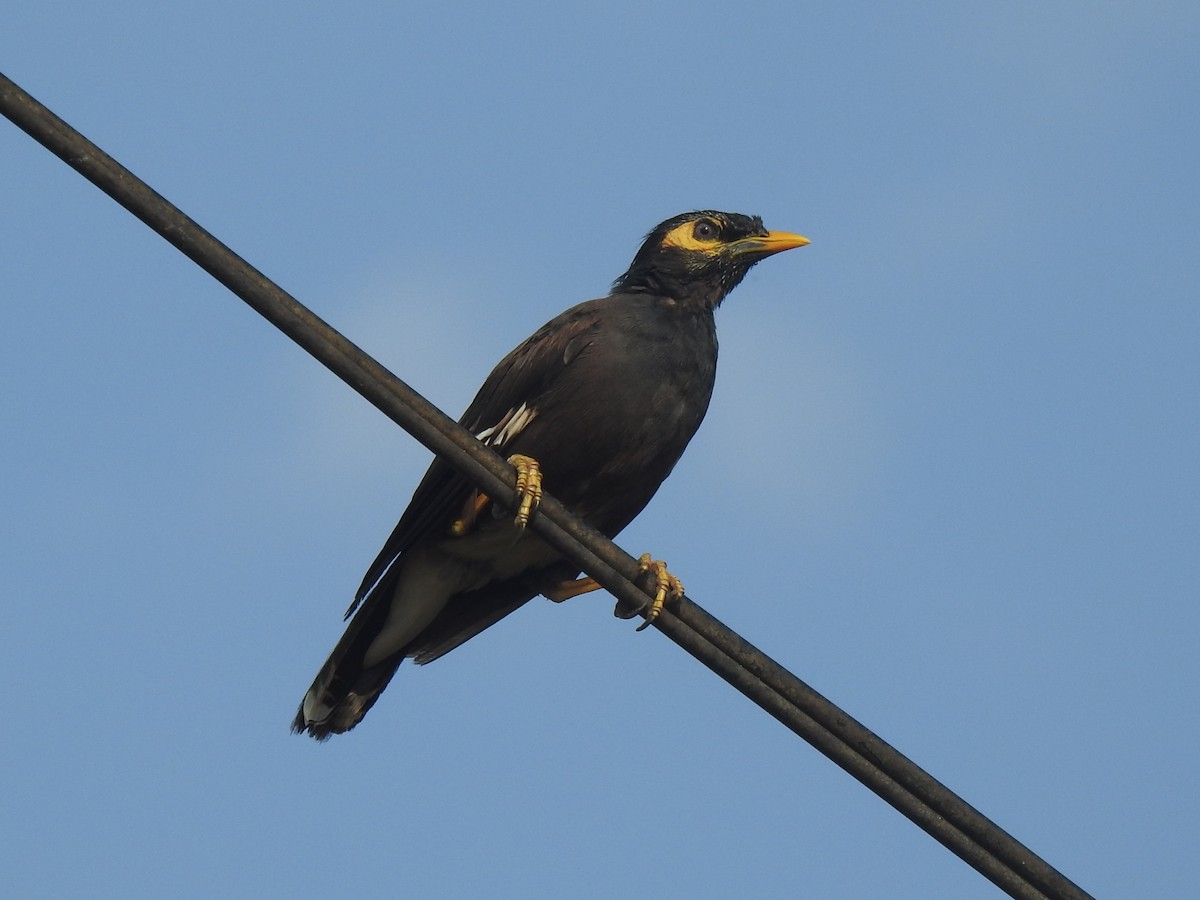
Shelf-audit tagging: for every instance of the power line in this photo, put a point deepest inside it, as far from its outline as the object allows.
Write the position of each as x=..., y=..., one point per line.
x=931, y=805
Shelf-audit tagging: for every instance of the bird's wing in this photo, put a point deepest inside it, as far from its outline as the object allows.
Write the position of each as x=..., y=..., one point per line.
x=466, y=615
x=505, y=404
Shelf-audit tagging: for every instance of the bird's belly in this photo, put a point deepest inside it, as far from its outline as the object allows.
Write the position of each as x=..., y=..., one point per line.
x=434, y=572
x=493, y=553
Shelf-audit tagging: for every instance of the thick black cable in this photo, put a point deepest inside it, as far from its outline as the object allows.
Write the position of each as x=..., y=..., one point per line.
x=932, y=806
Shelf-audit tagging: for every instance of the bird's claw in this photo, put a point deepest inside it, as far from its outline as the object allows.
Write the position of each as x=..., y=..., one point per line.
x=665, y=584
x=529, y=488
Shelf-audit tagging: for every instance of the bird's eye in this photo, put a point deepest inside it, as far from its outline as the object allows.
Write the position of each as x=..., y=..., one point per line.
x=705, y=231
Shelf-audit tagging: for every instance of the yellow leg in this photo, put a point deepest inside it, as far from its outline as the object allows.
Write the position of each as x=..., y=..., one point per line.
x=529, y=487
x=572, y=587
x=665, y=584
x=470, y=513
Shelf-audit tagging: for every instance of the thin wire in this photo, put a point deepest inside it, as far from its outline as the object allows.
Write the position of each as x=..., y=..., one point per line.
x=931, y=805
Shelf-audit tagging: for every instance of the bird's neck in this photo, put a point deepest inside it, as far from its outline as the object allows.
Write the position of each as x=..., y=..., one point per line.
x=691, y=298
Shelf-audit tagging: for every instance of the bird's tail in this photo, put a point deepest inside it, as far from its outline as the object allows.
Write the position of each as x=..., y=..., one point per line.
x=338, y=699
x=346, y=687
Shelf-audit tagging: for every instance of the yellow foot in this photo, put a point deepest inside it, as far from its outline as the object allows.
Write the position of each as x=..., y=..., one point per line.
x=666, y=585
x=572, y=587
x=529, y=487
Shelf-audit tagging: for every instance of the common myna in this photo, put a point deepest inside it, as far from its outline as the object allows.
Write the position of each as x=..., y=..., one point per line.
x=597, y=405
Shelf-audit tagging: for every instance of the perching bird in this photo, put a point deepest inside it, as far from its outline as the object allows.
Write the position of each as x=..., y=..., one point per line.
x=598, y=405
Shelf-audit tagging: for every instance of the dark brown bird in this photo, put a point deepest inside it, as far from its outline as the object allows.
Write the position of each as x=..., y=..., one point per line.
x=598, y=405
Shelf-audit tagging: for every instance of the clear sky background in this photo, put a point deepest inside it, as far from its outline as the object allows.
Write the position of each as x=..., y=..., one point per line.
x=949, y=476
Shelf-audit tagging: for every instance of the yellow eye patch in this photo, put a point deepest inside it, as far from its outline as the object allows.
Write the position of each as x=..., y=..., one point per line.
x=684, y=238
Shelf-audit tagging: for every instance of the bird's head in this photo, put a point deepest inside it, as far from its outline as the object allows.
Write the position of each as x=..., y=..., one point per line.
x=698, y=257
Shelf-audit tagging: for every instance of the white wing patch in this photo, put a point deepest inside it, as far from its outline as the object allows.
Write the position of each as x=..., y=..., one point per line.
x=513, y=423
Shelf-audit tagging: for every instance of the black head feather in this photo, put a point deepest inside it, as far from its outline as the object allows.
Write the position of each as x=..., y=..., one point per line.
x=694, y=258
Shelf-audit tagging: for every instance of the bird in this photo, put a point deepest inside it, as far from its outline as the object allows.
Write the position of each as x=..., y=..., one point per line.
x=596, y=407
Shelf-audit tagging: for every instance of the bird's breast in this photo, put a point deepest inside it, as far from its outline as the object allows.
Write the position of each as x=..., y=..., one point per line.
x=616, y=421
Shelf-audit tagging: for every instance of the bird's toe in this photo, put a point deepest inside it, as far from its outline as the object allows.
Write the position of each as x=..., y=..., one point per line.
x=666, y=586
x=529, y=487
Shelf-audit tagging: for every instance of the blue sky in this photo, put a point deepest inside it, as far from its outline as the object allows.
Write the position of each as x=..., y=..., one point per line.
x=949, y=476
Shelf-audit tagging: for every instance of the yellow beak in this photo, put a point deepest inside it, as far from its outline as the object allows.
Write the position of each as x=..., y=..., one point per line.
x=771, y=242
